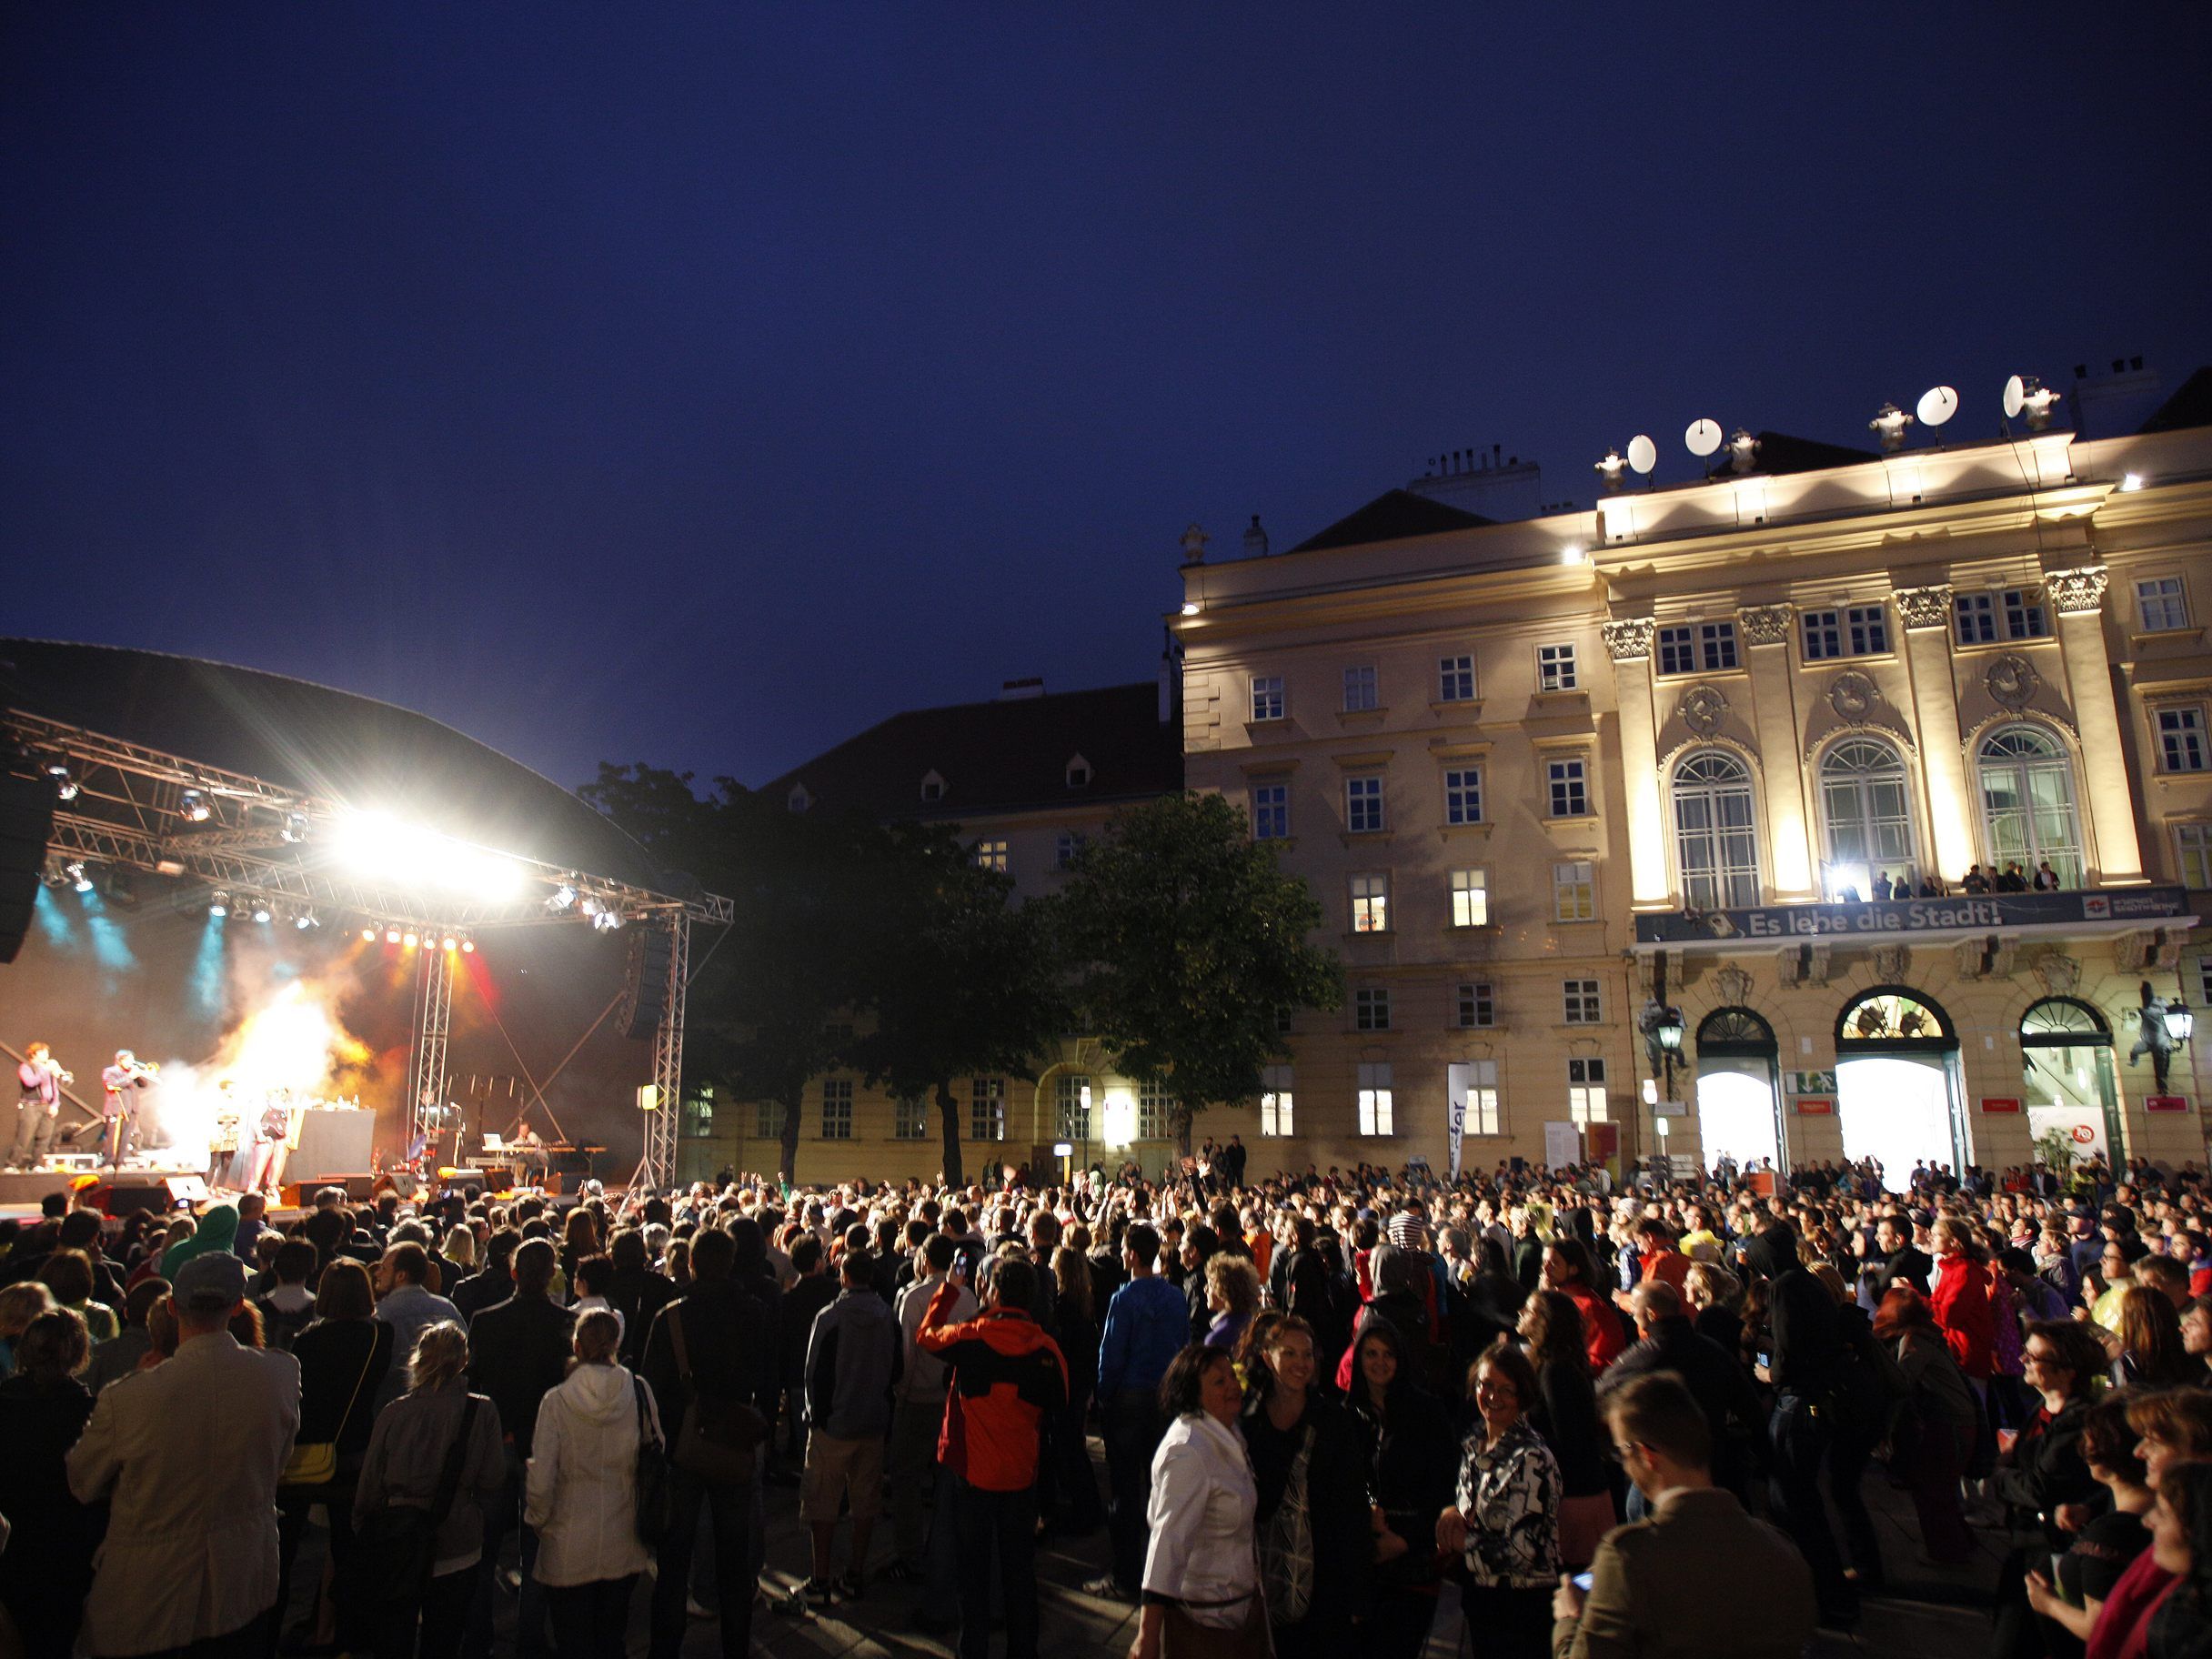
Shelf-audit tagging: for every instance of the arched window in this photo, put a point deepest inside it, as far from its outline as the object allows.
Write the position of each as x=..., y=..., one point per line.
x=1891, y=1018
x=1866, y=801
x=2063, y=1022
x=2027, y=802
x=1735, y=1033
x=1714, y=841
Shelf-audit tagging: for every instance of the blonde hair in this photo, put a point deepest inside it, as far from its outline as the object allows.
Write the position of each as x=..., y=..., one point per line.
x=598, y=1334
x=1235, y=1280
x=441, y=1354
x=1707, y=1286
x=20, y=1303
x=460, y=1246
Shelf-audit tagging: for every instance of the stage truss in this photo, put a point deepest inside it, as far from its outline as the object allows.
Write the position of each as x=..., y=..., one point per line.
x=130, y=807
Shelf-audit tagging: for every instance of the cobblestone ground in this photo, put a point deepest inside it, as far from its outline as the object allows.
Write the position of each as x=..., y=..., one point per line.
x=1930, y=1612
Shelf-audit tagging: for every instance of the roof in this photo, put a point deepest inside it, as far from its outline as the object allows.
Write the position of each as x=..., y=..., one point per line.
x=999, y=757
x=1780, y=453
x=1394, y=515
x=321, y=742
x=2190, y=406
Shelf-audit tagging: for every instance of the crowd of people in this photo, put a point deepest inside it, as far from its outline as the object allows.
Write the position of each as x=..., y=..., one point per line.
x=1597, y=1418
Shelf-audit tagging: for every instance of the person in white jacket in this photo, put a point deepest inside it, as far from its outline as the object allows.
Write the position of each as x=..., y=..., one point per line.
x=1201, y=1559
x=582, y=1493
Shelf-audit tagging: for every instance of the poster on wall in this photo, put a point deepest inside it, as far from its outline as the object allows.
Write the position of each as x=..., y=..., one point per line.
x=1563, y=1145
x=2084, y=1127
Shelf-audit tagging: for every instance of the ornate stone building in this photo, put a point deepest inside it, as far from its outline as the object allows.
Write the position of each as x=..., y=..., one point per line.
x=1553, y=776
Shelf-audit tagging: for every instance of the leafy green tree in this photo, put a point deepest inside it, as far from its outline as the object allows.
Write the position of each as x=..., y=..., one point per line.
x=1189, y=944
x=962, y=981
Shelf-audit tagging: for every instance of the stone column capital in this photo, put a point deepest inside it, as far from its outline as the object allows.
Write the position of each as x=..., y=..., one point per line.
x=1765, y=624
x=1919, y=608
x=1628, y=638
x=2077, y=592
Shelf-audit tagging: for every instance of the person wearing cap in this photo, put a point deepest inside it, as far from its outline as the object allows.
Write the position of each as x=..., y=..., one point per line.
x=187, y=1456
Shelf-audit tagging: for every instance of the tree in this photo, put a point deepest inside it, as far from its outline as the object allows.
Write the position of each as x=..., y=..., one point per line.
x=1189, y=946
x=962, y=980
x=765, y=1002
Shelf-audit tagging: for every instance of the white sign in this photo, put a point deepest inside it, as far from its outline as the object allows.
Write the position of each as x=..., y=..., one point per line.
x=1456, y=1109
x=1563, y=1145
x=1671, y=1109
x=2084, y=1127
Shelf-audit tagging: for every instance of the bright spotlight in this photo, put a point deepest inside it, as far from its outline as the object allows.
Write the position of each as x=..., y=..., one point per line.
x=79, y=878
x=368, y=936
x=607, y=921
x=306, y=920
x=1189, y=607
x=220, y=904
x=563, y=897
x=411, y=941
x=1572, y=554
x=2132, y=482
x=391, y=936
x=194, y=807
x=295, y=826
x=261, y=911
x=64, y=784
x=449, y=944
x=407, y=855
x=469, y=945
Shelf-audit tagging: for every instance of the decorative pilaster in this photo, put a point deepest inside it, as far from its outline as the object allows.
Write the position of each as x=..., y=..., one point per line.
x=1926, y=613
x=1629, y=638
x=2078, y=597
x=1765, y=624
x=1921, y=607
x=1766, y=629
x=2077, y=592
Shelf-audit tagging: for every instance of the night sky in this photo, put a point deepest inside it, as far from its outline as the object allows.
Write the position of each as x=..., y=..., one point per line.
x=701, y=384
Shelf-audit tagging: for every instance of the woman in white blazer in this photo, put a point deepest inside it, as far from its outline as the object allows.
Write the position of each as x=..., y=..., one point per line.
x=582, y=1493
x=1201, y=1576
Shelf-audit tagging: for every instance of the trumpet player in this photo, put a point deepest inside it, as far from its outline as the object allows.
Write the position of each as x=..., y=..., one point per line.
x=41, y=1078
x=119, y=1104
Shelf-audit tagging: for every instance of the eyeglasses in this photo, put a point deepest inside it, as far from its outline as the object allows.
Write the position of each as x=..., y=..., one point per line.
x=1622, y=1450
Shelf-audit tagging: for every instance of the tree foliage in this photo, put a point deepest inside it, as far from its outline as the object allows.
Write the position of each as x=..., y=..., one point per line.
x=1188, y=944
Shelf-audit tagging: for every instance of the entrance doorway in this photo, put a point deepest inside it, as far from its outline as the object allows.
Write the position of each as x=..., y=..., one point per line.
x=1737, y=1114
x=2066, y=1053
x=1897, y=1097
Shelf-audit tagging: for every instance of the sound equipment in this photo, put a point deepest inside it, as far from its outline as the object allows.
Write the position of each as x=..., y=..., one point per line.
x=645, y=995
x=400, y=1183
x=127, y=1195
x=27, y=819
x=299, y=1194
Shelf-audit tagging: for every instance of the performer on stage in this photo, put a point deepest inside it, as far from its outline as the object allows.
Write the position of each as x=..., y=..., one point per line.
x=223, y=1141
x=41, y=1077
x=531, y=1156
x=119, y=1106
x=269, y=1136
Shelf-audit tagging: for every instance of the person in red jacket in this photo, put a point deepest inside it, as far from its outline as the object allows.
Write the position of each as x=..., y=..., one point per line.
x=1568, y=1269
x=1961, y=1299
x=1008, y=1376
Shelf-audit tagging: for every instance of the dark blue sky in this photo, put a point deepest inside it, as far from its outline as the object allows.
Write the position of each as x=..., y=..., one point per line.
x=701, y=384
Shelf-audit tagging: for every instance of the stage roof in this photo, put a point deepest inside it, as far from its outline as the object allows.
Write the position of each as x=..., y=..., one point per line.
x=352, y=751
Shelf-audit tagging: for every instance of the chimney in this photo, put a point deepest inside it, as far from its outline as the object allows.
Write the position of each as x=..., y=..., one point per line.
x=1017, y=690
x=1170, y=678
x=1255, y=539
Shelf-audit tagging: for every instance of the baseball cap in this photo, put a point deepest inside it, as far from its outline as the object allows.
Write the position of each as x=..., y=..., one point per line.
x=209, y=1283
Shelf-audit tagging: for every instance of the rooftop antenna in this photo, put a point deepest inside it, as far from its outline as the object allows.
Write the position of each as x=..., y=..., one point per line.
x=1937, y=404
x=2015, y=396
x=1703, y=438
x=1643, y=454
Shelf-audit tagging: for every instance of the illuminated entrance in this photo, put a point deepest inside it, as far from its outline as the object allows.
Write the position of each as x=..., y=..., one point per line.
x=1896, y=1065
x=1736, y=1103
x=2065, y=1063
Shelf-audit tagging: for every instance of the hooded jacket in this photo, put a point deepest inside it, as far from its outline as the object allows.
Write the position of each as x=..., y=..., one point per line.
x=853, y=1359
x=217, y=1230
x=582, y=1490
x=1006, y=1375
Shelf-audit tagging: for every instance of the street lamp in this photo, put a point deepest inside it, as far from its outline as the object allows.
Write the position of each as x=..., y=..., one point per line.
x=2179, y=1022
x=1661, y=1023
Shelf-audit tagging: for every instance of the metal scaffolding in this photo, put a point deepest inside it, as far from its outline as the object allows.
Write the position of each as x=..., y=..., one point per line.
x=657, y=1168
x=427, y=1063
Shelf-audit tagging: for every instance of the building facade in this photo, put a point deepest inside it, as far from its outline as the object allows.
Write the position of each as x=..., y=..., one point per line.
x=1546, y=775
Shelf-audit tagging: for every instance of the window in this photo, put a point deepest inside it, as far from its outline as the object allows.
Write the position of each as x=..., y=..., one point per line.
x=1868, y=806
x=1570, y=785
x=1370, y=904
x=1587, y=1091
x=1362, y=804
x=2181, y=738
x=697, y=1120
x=1360, y=688
x=1469, y=899
x=1688, y=647
x=2194, y=843
x=1078, y=772
x=1376, y=1116
x=2010, y=613
x=2027, y=802
x=1275, y=1101
x=1583, y=1004
x=1464, y=796
x=1478, y=1005
x=909, y=1117
x=2162, y=604
x=1267, y=696
x=991, y=855
x=1067, y=847
x=1574, y=891
x=1473, y=1086
x=1455, y=679
x=1555, y=667
x=1072, y=1093
x=932, y=788
x=1856, y=630
x=1713, y=838
x=836, y=1108
x=1151, y=1110
x=986, y=1109
x=767, y=1119
x=1270, y=811
x=1371, y=1008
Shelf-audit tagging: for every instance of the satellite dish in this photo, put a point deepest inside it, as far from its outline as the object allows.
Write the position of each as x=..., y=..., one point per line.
x=1937, y=404
x=1703, y=438
x=1643, y=454
x=2016, y=397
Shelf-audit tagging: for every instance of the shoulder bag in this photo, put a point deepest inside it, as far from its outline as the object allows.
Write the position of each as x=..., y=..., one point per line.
x=719, y=1439
x=314, y=1463
x=653, y=1498
x=396, y=1546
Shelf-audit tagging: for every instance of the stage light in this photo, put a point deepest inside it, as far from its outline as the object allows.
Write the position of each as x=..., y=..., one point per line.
x=64, y=785
x=469, y=945
x=295, y=826
x=2128, y=485
x=410, y=941
x=306, y=920
x=410, y=856
x=220, y=904
x=194, y=807
x=449, y=944
x=563, y=897
x=607, y=921
x=261, y=910
x=368, y=936
x=79, y=878
x=391, y=936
